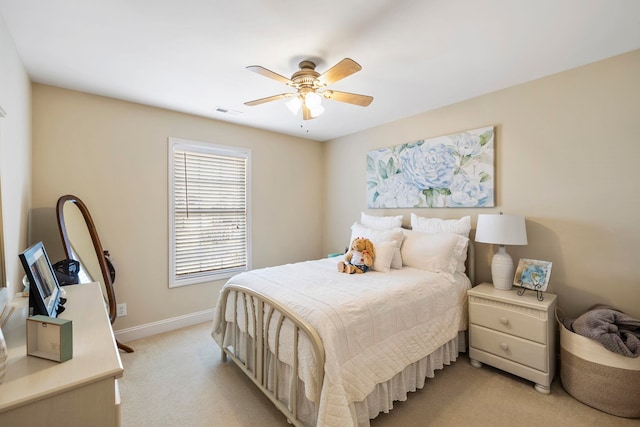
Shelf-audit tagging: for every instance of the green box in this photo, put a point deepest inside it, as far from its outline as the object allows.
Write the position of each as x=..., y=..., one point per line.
x=50, y=338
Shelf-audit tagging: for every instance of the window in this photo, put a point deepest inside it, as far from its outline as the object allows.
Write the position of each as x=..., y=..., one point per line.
x=208, y=212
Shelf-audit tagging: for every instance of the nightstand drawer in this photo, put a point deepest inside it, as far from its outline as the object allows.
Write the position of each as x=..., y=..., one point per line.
x=509, y=319
x=522, y=351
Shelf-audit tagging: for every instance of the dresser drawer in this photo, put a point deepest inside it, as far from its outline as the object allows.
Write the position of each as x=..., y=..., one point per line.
x=516, y=349
x=522, y=322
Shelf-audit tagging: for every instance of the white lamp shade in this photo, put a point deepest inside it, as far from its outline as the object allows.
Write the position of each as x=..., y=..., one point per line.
x=316, y=111
x=501, y=229
x=294, y=105
x=312, y=99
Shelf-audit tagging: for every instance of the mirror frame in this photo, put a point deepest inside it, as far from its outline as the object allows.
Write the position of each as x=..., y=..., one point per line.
x=100, y=253
x=3, y=271
x=108, y=284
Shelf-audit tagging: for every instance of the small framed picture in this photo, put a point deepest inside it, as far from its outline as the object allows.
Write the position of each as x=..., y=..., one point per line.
x=533, y=274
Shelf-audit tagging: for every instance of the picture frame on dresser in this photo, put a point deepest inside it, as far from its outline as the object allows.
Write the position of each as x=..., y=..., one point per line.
x=45, y=295
x=533, y=274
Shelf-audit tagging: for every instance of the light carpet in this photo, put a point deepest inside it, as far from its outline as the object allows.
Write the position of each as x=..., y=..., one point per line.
x=178, y=379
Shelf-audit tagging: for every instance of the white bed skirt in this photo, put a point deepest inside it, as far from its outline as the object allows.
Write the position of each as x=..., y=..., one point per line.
x=381, y=399
x=412, y=378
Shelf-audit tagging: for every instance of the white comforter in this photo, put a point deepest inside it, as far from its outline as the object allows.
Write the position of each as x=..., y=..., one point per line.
x=372, y=325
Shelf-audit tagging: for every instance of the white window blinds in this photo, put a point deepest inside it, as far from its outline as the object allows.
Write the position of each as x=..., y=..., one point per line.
x=209, y=212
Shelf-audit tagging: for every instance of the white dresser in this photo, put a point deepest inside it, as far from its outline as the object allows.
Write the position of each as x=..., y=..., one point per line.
x=513, y=333
x=79, y=392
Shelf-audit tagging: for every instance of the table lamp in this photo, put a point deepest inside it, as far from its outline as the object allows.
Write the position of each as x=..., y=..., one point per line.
x=501, y=230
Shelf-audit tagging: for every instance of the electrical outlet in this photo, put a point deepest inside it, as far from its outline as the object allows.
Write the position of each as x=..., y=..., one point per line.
x=122, y=309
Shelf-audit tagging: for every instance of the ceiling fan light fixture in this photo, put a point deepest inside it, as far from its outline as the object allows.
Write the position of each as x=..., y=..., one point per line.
x=294, y=105
x=316, y=111
x=313, y=101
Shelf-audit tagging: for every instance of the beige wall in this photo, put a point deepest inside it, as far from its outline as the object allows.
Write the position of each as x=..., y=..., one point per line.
x=113, y=155
x=15, y=158
x=567, y=153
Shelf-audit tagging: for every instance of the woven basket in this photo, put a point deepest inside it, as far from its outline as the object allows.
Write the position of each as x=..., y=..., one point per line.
x=598, y=377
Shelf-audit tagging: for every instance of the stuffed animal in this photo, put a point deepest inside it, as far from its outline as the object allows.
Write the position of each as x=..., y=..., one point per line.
x=359, y=258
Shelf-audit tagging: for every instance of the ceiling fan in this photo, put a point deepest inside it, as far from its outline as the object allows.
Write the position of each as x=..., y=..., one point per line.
x=311, y=86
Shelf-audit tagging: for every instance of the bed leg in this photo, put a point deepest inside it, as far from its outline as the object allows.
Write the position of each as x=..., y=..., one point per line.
x=223, y=355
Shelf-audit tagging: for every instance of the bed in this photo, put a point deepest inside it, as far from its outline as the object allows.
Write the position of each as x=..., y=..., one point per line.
x=358, y=342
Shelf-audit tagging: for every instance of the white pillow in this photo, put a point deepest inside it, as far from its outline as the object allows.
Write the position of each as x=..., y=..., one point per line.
x=380, y=238
x=383, y=255
x=384, y=223
x=396, y=260
x=460, y=226
x=436, y=252
x=380, y=222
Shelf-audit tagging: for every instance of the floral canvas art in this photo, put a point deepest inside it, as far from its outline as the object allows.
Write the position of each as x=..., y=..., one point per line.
x=448, y=171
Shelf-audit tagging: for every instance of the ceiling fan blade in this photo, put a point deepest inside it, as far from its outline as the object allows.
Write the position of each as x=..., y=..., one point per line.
x=351, y=98
x=268, y=73
x=268, y=99
x=342, y=69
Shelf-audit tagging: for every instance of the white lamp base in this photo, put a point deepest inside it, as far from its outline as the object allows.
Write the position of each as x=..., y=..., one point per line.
x=502, y=269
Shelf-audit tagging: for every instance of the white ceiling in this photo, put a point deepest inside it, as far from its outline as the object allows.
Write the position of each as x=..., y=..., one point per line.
x=417, y=55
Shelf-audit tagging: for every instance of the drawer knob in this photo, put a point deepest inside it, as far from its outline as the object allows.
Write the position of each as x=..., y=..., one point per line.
x=504, y=321
x=504, y=346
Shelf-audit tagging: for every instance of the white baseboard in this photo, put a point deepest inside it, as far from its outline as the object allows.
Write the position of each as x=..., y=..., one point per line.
x=154, y=328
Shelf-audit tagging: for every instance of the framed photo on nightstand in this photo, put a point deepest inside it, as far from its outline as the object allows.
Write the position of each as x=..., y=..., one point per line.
x=533, y=274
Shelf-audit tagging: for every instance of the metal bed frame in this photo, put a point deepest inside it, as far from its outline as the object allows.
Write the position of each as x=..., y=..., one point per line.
x=263, y=309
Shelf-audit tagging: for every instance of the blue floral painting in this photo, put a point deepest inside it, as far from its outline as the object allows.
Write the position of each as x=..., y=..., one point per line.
x=448, y=171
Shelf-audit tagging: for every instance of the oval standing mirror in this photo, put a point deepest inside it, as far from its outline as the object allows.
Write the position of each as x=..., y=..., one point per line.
x=81, y=243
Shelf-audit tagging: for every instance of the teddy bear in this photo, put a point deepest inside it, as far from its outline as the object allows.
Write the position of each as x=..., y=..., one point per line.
x=359, y=258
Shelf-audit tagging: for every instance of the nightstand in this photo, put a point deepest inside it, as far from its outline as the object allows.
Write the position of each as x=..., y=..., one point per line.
x=513, y=333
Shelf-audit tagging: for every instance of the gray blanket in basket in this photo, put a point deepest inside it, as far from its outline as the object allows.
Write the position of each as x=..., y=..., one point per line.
x=612, y=328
